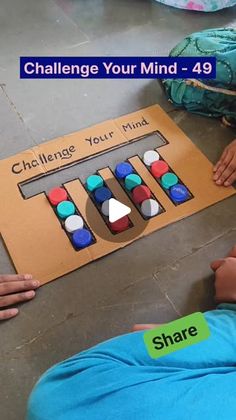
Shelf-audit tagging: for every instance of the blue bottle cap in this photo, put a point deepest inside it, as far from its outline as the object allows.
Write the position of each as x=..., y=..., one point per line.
x=123, y=169
x=102, y=194
x=82, y=238
x=179, y=193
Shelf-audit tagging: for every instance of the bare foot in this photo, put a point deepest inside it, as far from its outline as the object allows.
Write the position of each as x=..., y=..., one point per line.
x=225, y=169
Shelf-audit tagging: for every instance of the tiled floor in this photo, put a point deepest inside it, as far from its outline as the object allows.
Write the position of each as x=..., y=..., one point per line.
x=158, y=278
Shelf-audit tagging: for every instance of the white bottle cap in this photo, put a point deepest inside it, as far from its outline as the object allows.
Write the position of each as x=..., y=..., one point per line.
x=74, y=223
x=150, y=208
x=150, y=157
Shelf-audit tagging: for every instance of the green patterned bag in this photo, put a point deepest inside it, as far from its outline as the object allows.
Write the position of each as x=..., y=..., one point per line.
x=215, y=97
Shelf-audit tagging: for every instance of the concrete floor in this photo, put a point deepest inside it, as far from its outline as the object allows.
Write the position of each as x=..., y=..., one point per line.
x=158, y=278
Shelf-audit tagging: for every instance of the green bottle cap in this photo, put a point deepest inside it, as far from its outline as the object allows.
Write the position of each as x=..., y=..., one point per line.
x=169, y=180
x=132, y=181
x=65, y=209
x=93, y=182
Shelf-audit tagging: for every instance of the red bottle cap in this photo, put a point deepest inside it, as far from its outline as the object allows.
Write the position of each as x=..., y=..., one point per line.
x=159, y=168
x=57, y=195
x=120, y=225
x=141, y=193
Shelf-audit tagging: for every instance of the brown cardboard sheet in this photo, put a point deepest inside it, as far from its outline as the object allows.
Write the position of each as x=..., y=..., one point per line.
x=29, y=227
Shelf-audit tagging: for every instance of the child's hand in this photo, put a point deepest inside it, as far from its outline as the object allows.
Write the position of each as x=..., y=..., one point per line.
x=225, y=169
x=15, y=289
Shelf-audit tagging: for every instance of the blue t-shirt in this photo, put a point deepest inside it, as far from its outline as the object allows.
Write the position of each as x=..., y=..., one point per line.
x=117, y=380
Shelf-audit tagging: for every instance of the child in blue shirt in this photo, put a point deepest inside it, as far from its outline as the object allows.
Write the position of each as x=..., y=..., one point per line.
x=117, y=379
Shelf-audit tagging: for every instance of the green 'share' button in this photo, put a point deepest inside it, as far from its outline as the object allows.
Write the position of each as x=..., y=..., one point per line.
x=168, y=180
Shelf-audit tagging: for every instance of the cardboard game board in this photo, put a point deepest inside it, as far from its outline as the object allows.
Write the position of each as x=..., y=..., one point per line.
x=30, y=228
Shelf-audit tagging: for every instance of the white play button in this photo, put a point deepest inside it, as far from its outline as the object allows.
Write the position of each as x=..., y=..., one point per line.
x=117, y=210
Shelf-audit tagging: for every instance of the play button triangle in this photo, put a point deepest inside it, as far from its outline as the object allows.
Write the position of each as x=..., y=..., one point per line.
x=117, y=210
